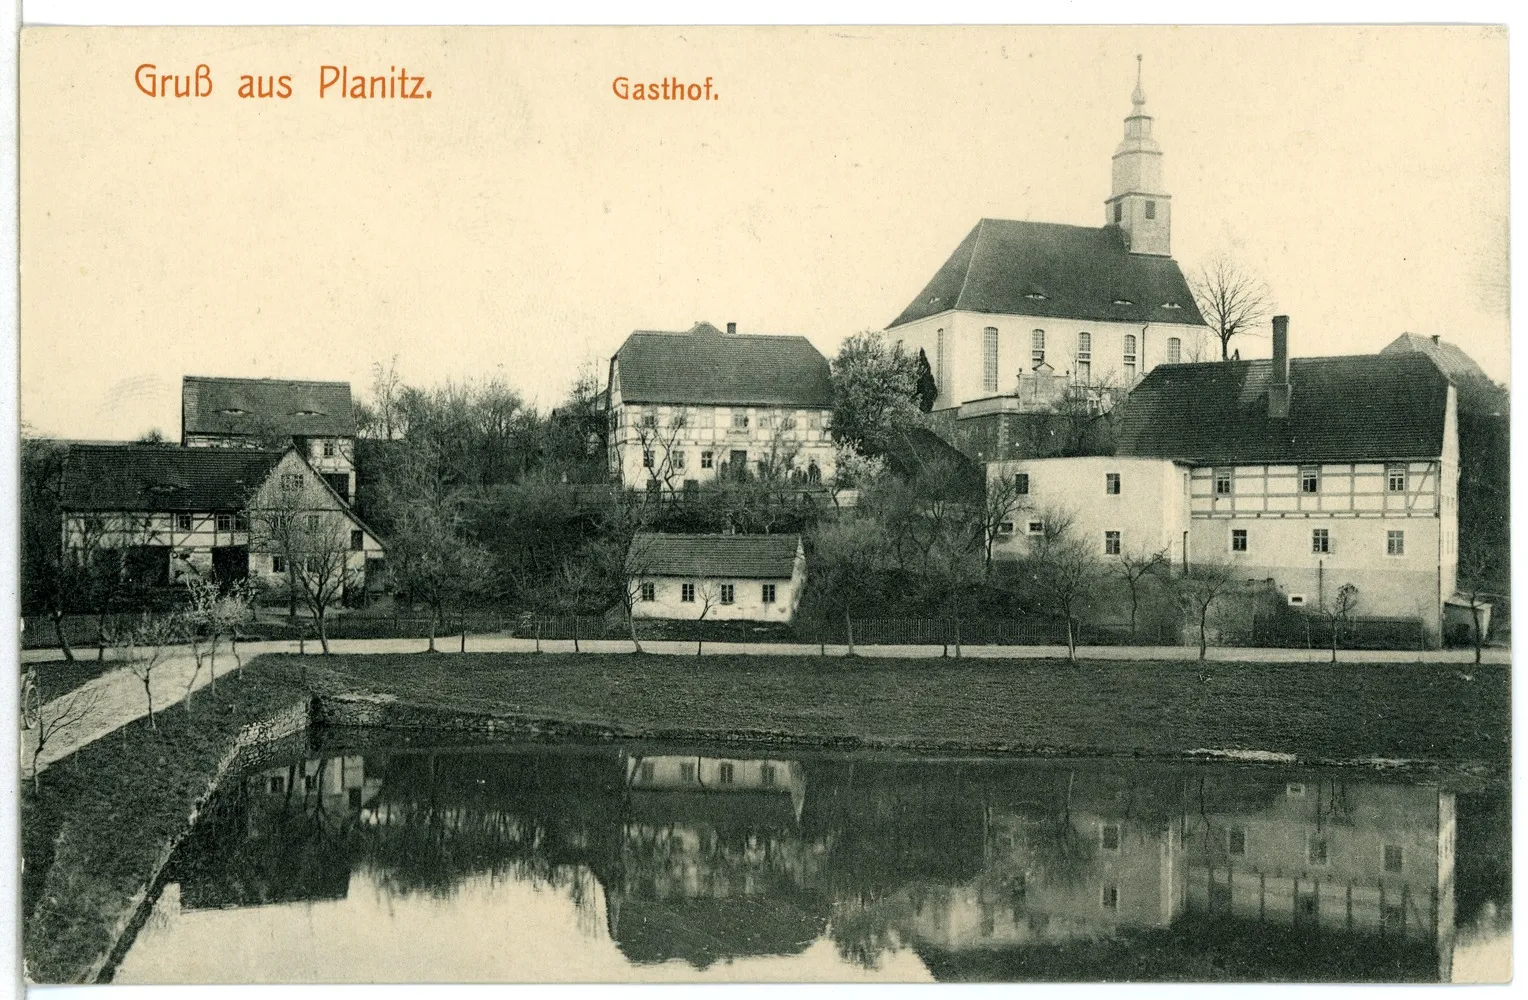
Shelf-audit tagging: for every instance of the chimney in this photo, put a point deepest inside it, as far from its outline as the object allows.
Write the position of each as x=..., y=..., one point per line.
x=732, y=328
x=1279, y=389
x=1436, y=338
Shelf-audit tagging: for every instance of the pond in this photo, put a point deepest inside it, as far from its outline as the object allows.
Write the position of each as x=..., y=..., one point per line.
x=363, y=862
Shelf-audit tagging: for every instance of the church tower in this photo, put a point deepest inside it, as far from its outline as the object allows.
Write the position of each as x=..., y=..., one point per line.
x=1137, y=204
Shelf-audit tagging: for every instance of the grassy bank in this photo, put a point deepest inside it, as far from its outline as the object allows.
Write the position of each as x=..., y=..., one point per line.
x=1317, y=712
x=99, y=826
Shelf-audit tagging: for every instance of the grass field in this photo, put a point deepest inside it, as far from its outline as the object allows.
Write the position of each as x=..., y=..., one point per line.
x=1318, y=712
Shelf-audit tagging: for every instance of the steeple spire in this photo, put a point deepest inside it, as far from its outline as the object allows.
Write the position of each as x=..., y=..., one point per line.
x=1136, y=203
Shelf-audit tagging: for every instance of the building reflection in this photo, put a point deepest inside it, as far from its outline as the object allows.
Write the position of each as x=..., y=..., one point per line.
x=704, y=858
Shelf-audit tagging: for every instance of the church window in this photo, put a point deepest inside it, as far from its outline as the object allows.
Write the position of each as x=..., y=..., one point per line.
x=1119, y=212
x=1129, y=358
x=1174, y=350
x=941, y=358
x=1151, y=210
x=989, y=359
x=1037, y=348
x=1085, y=358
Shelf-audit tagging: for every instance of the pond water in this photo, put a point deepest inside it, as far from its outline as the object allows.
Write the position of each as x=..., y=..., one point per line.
x=364, y=863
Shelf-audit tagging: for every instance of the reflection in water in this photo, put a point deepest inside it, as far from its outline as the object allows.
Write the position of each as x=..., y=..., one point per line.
x=576, y=862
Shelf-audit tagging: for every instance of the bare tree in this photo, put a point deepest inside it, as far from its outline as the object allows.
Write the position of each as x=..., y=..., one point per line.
x=1479, y=572
x=212, y=614
x=386, y=387
x=58, y=717
x=1231, y=299
x=1002, y=502
x=313, y=540
x=663, y=458
x=575, y=581
x=1197, y=590
x=145, y=646
x=1135, y=568
x=848, y=556
x=635, y=570
x=1066, y=568
x=708, y=594
x=1338, y=611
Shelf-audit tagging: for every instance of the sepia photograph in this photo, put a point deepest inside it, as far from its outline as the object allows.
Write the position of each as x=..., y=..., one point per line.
x=1001, y=504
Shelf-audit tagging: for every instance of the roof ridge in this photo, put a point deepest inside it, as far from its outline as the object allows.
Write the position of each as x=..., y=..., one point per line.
x=262, y=378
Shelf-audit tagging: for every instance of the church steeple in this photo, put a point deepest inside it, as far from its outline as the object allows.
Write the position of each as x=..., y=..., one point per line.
x=1136, y=203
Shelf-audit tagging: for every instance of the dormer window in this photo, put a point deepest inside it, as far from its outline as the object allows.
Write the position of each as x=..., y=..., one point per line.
x=233, y=411
x=1172, y=305
x=1035, y=296
x=309, y=413
x=1123, y=302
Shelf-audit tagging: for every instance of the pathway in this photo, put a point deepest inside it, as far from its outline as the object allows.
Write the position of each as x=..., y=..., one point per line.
x=116, y=697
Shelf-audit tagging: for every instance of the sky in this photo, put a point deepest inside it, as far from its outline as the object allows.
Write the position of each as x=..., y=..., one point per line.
x=523, y=220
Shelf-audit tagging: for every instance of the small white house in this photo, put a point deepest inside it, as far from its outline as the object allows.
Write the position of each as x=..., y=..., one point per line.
x=716, y=577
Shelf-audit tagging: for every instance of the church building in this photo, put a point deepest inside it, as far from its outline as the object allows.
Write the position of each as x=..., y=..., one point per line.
x=1026, y=315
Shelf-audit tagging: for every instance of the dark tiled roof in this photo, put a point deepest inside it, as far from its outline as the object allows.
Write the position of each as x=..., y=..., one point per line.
x=749, y=557
x=257, y=405
x=162, y=478
x=1046, y=269
x=1477, y=393
x=1370, y=407
x=917, y=449
x=706, y=367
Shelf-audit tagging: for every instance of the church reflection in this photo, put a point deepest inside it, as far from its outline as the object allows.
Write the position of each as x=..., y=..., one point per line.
x=704, y=858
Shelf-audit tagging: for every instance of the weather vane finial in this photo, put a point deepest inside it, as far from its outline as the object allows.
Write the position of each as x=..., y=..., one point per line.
x=1138, y=98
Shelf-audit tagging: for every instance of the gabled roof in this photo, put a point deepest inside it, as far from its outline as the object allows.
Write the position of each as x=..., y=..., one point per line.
x=265, y=405
x=705, y=367
x=159, y=478
x=1048, y=270
x=1363, y=408
x=749, y=557
x=1477, y=392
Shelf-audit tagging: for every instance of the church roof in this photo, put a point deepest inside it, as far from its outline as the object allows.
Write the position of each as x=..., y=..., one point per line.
x=1049, y=270
x=1363, y=408
x=705, y=367
x=252, y=406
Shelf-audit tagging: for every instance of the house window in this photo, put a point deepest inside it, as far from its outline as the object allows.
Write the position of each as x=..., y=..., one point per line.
x=183, y=522
x=357, y=540
x=687, y=593
x=646, y=771
x=649, y=419
x=1310, y=479
x=1036, y=349
x=1294, y=790
x=1036, y=527
x=729, y=593
x=224, y=522
x=328, y=449
x=649, y=591
x=1111, y=483
x=1395, y=479
x=312, y=522
x=1174, y=350
x=1236, y=841
x=707, y=460
x=313, y=565
x=647, y=458
x=241, y=522
x=767, y=775
x=1317, y=853
x=1151, y=210
x=1108, y=836
x=1005, y=528
x=1395, y=543
x=768, y=594
x=726, y=772
x=1222, y=482
x=1085, y=358
x=1320, y=540
x=1110, y=898
x=677, y=459
x=989, y=359
x=354, y=798
x=276, y=786
x=291, y=481
x=1119, y=212
x=278, y=564
x=1296, y=600
x=1021, y=483
x=1392, y=858
x=739, y=420
x=1129, y=358
x=1111, y=543
x=687, y=772
x=1238, y=539
x=310, y=782
x=654, y=487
